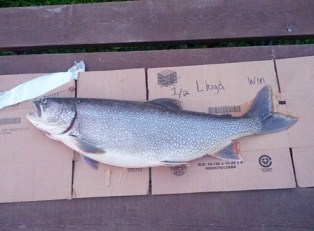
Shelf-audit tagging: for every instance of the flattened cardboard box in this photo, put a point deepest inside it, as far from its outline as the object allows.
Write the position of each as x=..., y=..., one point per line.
x=224, y=89
x=296, y=77
x=32, y=167
x=109, y=180
x=29, y=171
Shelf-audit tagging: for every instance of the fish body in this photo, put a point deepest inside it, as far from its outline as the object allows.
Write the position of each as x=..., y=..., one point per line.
x=148, y=134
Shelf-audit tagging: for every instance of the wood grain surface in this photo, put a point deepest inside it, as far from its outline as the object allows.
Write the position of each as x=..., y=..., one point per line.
x=249, y=210
x=46, y=63
x=286, y=209
x=151, y=21
x=143, y=22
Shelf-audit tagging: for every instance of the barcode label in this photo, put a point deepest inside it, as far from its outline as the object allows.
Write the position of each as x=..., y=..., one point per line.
x=224, y=109
x=6, y=121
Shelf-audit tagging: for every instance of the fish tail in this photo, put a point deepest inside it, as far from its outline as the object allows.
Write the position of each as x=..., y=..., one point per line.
x=262, y=109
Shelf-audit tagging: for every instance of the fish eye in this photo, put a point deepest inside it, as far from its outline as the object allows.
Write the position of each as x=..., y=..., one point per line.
x=44, y=100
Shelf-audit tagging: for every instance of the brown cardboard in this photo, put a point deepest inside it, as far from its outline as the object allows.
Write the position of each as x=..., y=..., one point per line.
x=303, y=159
x=109, y=180
x=215, y=86
x=32, y=167
x=209, y=174
x=296, y=77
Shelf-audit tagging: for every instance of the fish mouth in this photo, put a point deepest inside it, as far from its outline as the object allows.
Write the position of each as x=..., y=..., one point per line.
x=37, y=114
x=39, y=109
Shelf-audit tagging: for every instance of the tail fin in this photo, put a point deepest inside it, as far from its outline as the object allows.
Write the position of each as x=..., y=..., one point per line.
x=262, y=108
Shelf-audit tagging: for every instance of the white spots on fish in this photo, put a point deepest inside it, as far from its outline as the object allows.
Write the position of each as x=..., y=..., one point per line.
x=165, y=136
x=144, y=134
x=65, y=117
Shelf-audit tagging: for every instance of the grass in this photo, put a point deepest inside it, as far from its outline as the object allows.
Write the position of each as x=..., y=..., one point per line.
x=24, y=3
x=8, y=3
x=161, y=47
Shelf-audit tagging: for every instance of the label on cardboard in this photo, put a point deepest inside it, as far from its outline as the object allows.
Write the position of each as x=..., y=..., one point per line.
x=109, y=180
x=296, y=78
x=265, y=169
x=33, y=167
x=223, y=89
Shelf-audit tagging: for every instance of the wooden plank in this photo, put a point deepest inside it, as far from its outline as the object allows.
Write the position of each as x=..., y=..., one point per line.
x=47, y=63
x=135, y=22
x=249, y=210
x=288, y=209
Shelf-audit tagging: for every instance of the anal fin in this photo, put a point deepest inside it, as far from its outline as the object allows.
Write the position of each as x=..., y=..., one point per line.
x=174, y=163
x=231, y=152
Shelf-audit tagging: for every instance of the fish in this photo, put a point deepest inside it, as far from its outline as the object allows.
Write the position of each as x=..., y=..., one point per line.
x=133, y=134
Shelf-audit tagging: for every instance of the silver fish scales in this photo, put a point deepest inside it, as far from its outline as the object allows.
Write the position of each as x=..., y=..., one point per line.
x=148, y=134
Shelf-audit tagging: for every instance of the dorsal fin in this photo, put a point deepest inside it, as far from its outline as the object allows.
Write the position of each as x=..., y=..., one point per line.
x=173, y=104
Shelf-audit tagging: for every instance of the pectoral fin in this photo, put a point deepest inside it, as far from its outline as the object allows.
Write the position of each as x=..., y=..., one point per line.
x=231, y=152
x=86, y=146
x=50, y=136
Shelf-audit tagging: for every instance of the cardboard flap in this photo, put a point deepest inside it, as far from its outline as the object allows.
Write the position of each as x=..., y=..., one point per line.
x=223, y=89
x=303, y=159
x=296, y=77
x=31, y=163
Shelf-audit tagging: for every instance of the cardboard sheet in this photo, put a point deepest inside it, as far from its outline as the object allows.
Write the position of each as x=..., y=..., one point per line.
x=224, y=89
x=296, y=77
x=109, y=180
x=32, y=167
x=303, y=159
x=265, y=169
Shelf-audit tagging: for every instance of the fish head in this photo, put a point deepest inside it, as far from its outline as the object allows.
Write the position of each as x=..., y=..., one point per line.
x=53, y=115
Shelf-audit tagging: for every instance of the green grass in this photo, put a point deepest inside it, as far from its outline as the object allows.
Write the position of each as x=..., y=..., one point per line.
x=7, y=3
x=162, y=47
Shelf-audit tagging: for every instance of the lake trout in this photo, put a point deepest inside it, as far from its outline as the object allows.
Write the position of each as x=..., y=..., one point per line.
x=154, y=133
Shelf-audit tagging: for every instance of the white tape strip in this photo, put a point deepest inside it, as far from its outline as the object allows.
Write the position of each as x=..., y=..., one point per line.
x=39, y=86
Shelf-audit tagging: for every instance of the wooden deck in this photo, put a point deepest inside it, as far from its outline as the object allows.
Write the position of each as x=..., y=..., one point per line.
x=158, y=22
